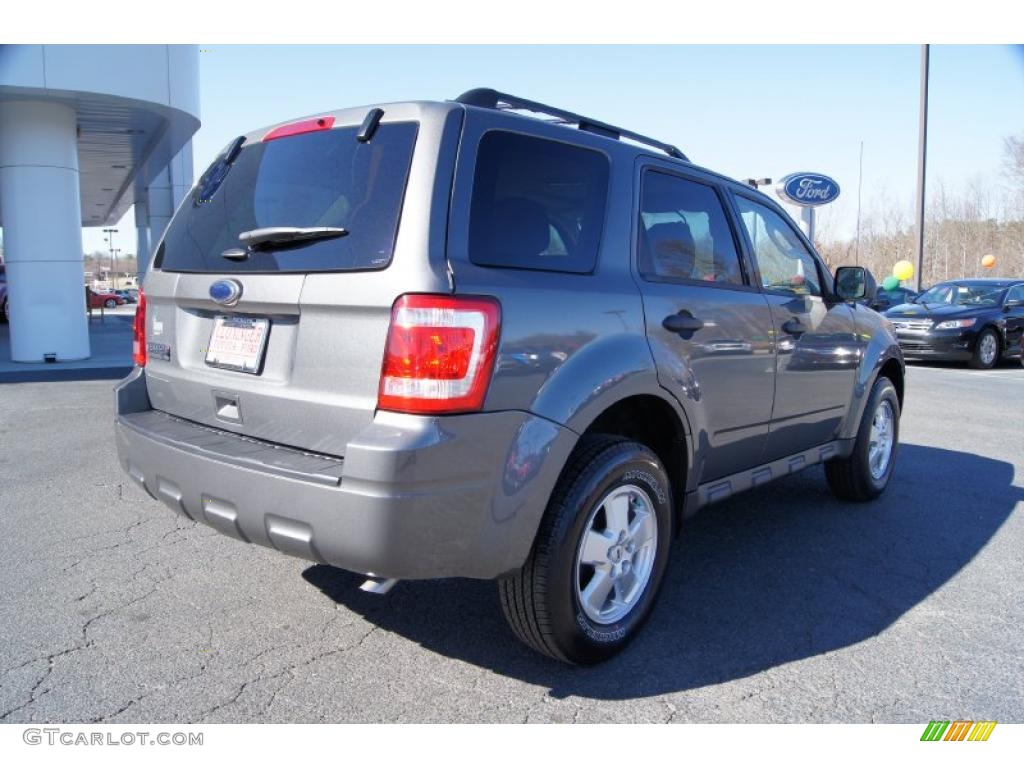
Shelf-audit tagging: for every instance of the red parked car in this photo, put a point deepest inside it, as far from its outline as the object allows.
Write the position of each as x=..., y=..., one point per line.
x=99, y=299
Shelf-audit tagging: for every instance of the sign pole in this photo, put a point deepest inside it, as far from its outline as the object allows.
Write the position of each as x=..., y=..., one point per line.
x=807, y=219
x=922, y=151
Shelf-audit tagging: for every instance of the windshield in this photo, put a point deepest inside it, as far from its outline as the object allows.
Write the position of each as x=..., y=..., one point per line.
x=320, y=179
x=970, y=295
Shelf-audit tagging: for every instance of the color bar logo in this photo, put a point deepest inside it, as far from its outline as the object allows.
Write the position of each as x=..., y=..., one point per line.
x=958, y=730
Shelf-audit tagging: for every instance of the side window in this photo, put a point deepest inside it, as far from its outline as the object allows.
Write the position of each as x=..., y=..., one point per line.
x=684, y=233
x=783, y=261
x=537, y=204
x=1015, y=296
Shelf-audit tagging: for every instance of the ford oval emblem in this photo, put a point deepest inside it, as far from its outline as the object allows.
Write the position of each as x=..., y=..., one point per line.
x=226, y=292
x=807, y=189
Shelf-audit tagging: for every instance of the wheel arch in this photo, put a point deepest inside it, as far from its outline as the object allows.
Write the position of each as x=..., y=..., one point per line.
x=893, y=370
x=655, y=422
x=881, y=357
x=999, y=331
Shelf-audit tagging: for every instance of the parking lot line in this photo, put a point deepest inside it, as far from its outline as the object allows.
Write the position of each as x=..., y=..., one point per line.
x=1007, y=375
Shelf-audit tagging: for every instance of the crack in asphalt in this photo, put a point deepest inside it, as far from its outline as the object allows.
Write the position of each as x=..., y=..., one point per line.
x=86, y=642
x=290, y=669
x=183, y=679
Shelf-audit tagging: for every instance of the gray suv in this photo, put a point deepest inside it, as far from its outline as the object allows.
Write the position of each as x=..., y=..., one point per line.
x=490, y=338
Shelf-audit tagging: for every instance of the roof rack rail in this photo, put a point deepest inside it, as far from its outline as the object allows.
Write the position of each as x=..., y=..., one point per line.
x=492, y=99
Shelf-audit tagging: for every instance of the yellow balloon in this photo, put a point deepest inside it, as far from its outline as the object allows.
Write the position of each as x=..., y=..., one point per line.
x=988, y=261
x=903, y=270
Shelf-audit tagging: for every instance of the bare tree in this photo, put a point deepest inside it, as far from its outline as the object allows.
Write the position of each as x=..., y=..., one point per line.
x=962, y=226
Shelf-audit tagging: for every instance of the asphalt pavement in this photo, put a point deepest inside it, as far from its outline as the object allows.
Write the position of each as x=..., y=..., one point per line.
x=780, y=605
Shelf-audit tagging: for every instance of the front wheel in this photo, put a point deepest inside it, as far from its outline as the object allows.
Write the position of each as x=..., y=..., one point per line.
x=600, y=554
x=986, y=350
x=865, y=473
x=110, y=303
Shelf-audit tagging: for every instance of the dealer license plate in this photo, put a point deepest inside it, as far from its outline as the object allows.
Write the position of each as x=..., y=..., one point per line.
x=238, y=343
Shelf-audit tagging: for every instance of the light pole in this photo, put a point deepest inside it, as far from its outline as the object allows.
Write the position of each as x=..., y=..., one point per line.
x=113, y=263
x=922, y=151
x=860, y=179
x=109, y=237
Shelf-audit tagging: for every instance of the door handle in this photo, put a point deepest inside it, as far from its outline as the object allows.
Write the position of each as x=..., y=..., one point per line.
x=795, y=327
x=682, y=323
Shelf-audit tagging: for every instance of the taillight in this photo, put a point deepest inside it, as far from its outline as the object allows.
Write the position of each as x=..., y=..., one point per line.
x=139, y=332
x=439, y=354
x=302, y=126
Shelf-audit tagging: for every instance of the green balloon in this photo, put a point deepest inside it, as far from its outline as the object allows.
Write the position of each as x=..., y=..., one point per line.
x=891, y=283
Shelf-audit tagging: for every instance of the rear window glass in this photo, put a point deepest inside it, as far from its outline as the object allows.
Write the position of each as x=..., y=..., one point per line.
x=321, y=179
x=537, y=204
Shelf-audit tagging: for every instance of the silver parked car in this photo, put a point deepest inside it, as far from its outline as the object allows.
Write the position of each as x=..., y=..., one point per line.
x=422, y=340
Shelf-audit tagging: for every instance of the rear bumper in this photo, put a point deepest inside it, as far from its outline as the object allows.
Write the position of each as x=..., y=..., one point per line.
x=414, y=496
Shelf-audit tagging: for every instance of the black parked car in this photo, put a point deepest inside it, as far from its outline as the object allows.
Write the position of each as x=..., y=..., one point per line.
x=973, y=320
x=130, y=295
x=888, y=299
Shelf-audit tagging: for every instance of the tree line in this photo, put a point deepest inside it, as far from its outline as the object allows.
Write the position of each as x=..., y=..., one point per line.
x=961, y=227
x=99, y=261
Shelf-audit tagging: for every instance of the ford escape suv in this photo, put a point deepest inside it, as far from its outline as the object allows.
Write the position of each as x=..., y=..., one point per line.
x=490, y=338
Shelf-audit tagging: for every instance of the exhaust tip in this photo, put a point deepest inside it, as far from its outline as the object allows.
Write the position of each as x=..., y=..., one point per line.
x=378, y=586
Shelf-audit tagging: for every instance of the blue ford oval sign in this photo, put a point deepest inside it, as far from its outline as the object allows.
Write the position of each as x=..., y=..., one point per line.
x=807, y=189
x=226, y=292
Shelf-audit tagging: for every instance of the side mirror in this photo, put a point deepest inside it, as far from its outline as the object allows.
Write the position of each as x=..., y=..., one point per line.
x=855, y=284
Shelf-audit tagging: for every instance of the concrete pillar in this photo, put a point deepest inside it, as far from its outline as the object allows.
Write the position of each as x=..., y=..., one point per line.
x=161, y=206
x=142, y=253
x=42, y=221
x=181, y=174
x=167, y=190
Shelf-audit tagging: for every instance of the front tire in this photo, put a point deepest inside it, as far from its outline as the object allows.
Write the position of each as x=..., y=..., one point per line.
x=986, y=350
x=865, y=473
x=110, y=303
x=599, y=557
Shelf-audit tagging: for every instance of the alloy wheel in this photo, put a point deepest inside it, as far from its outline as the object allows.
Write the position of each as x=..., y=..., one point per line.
x=616, y=554
x=881, y=441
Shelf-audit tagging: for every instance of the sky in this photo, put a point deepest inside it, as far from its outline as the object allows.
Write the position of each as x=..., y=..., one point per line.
x=746, y=111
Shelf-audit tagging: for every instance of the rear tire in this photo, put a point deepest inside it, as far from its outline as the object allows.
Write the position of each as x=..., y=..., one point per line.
x=986, y=350
x=110, y=303
x=557, y=603
x=865, y=473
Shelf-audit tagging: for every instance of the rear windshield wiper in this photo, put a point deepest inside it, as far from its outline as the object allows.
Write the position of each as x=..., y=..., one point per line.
x=285, y=237
x=280, y=239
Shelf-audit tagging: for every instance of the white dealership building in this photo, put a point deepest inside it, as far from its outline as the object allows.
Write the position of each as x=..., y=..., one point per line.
x=85, y=132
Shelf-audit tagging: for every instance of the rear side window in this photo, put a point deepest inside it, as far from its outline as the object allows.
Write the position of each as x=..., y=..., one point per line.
x=537, y=204
x=321, y=179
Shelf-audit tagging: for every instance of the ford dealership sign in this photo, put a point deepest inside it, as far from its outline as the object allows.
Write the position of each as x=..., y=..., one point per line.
x=807, y=189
